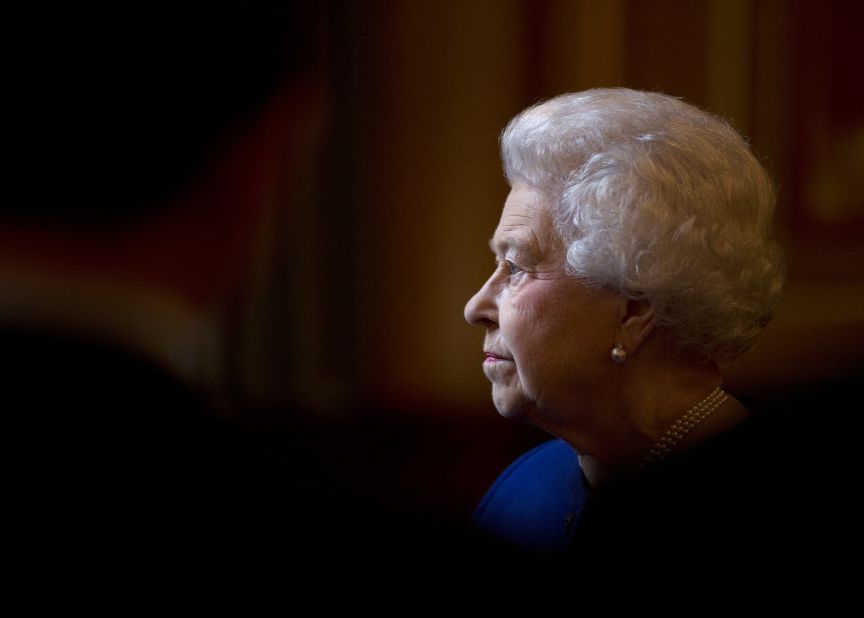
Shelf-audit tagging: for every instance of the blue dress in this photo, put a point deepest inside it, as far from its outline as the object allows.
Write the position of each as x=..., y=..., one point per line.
x=536, y=502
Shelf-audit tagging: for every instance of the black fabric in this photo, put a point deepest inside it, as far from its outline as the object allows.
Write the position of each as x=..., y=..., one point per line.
x=758, y=522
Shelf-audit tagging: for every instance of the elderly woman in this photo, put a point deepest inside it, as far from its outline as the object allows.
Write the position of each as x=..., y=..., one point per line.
x=634, y=256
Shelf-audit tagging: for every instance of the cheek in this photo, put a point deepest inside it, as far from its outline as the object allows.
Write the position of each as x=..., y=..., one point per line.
x=532, y=327
x=523, y=317
x=541, y=307
x=553, y=331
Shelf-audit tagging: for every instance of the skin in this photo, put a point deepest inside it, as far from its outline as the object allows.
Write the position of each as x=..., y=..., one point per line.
x=547, y=344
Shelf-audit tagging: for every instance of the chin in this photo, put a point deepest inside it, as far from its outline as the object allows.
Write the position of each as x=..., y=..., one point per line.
x=507, y=413
x=510, y=407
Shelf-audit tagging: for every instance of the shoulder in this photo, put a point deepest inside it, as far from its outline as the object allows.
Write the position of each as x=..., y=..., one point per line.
x=531, y=502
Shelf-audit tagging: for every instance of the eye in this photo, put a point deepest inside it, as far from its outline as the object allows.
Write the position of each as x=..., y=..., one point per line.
x=512, y=268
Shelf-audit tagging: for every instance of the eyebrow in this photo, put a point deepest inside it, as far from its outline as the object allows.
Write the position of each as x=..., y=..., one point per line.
x=499, y=246
x=505, y=242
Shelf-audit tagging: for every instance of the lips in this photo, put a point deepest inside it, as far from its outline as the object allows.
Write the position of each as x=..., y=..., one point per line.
x=491, y=357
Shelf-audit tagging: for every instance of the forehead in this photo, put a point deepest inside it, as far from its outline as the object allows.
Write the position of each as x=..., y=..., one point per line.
x=525, y=221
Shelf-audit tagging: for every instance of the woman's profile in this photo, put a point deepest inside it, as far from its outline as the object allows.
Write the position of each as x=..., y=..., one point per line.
x=635, y=255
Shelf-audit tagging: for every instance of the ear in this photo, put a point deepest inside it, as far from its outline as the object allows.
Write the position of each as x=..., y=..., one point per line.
x=638, y=319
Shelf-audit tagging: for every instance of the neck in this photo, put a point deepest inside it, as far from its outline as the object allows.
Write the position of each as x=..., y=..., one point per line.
x=645, y=399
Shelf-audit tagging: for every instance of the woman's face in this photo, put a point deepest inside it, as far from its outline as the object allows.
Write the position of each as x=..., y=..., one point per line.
x=548, y=334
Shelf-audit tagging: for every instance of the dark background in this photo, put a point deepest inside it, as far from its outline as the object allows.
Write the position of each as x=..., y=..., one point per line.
x=353, y=304
x=418, y=94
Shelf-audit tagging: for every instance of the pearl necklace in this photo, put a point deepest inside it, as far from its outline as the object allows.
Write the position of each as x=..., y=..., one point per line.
x=684, y=425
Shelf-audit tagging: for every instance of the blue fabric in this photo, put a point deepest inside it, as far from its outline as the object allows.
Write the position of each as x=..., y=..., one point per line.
x=536, y=501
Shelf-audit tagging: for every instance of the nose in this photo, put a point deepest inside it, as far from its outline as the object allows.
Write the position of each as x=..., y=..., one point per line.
x=482, y=308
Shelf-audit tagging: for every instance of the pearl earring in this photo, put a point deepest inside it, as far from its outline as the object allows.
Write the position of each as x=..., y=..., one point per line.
x=618, y=354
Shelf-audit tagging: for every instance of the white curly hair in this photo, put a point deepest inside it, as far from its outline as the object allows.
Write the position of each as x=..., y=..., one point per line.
x=659, y=201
